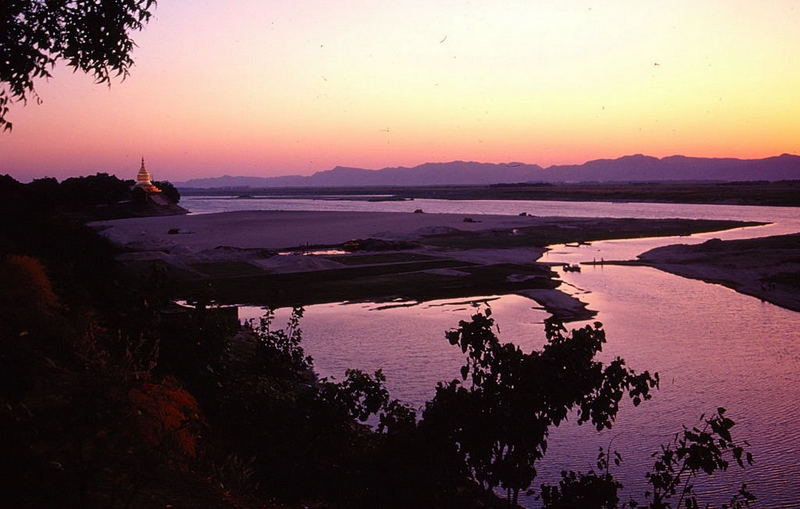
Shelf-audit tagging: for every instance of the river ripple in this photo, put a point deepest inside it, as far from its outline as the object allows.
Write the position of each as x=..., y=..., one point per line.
x=712, y=346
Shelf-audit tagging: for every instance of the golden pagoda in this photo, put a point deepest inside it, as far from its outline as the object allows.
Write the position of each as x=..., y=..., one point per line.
x=143, y=181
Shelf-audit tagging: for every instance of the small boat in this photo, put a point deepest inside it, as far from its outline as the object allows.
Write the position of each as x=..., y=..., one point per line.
x=572, y=268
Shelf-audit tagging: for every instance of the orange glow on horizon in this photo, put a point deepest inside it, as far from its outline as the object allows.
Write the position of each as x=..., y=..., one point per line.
x=273, y=89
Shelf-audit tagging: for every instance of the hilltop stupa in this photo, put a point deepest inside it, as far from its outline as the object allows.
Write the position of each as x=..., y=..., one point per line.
x=143, y=181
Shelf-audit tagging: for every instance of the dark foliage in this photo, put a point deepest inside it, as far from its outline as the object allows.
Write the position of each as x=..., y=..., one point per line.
x=99, y=189
x=500, y=422
x=83, y=421
x=695, y=451
x=113, y=396
x=78, y=197
x=42, y=220
x=582, y=491
x=304, y=434
x=139, y=195
x=81, y=199
x=168, y=190
x=90, y=36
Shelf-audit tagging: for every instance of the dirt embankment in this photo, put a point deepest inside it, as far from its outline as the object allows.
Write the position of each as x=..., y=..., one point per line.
x=767, y=267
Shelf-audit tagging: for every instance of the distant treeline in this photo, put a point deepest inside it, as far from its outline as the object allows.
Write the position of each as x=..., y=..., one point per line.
x=99, y=196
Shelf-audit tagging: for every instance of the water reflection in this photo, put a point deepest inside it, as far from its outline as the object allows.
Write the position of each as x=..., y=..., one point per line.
x=712, y=346
x=405, y=339
x=629, y=249
x=786, y=219
x=734, y=352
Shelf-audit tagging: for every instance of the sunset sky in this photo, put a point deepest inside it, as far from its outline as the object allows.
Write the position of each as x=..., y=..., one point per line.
x=266, y=88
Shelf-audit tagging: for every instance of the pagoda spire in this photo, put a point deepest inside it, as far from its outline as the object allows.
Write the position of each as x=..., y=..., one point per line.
x=143, y=180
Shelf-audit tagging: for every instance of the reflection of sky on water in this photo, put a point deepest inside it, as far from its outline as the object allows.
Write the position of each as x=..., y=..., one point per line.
x=712, y=346
x=404, y=339
x=734, y=353
x=208, y=204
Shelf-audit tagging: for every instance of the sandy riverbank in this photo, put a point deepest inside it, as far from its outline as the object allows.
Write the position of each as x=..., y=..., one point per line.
x=767, y=267
x=258, y=256
x=286, y=229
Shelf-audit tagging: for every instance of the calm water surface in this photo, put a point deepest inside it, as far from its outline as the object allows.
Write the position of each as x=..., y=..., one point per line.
x=712, y=346
x=210, y=204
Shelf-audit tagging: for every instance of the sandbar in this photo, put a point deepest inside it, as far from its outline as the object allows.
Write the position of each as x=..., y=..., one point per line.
x=281, y=258
x=767, y=268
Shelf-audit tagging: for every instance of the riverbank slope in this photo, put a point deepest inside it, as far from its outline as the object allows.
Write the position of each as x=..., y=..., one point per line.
x=767, y=267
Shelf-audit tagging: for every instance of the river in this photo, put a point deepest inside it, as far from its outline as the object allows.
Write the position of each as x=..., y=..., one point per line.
x=712, y=346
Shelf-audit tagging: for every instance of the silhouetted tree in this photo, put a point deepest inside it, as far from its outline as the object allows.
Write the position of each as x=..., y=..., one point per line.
x=45, y=191
x=91, y=36
x=707, y=449
x=168, y=190
x=500, y=422
x=101, y=188
x=139, y=195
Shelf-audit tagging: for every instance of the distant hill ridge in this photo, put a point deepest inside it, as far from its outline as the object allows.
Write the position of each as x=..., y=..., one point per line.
x=632, y=168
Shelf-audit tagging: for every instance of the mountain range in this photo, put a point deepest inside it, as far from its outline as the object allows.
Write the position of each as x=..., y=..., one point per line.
x=633, y=168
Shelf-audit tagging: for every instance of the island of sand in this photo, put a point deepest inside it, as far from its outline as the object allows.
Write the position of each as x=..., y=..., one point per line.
x=766, y=267
x=281, y=258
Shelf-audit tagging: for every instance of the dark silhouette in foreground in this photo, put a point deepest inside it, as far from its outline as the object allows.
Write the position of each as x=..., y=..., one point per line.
x=113, y=396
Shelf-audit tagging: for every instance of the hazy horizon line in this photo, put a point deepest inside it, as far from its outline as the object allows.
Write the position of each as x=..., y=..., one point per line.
x=507, y=163
x=467, y=161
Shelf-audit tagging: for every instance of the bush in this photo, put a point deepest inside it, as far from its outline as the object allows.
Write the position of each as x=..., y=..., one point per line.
x=499, y=422
x=167, y=419
x=168, y=190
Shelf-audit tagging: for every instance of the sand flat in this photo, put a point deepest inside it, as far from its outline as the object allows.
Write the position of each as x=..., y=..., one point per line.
x=765, y=267
x=252, y=256
x=285, y=229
